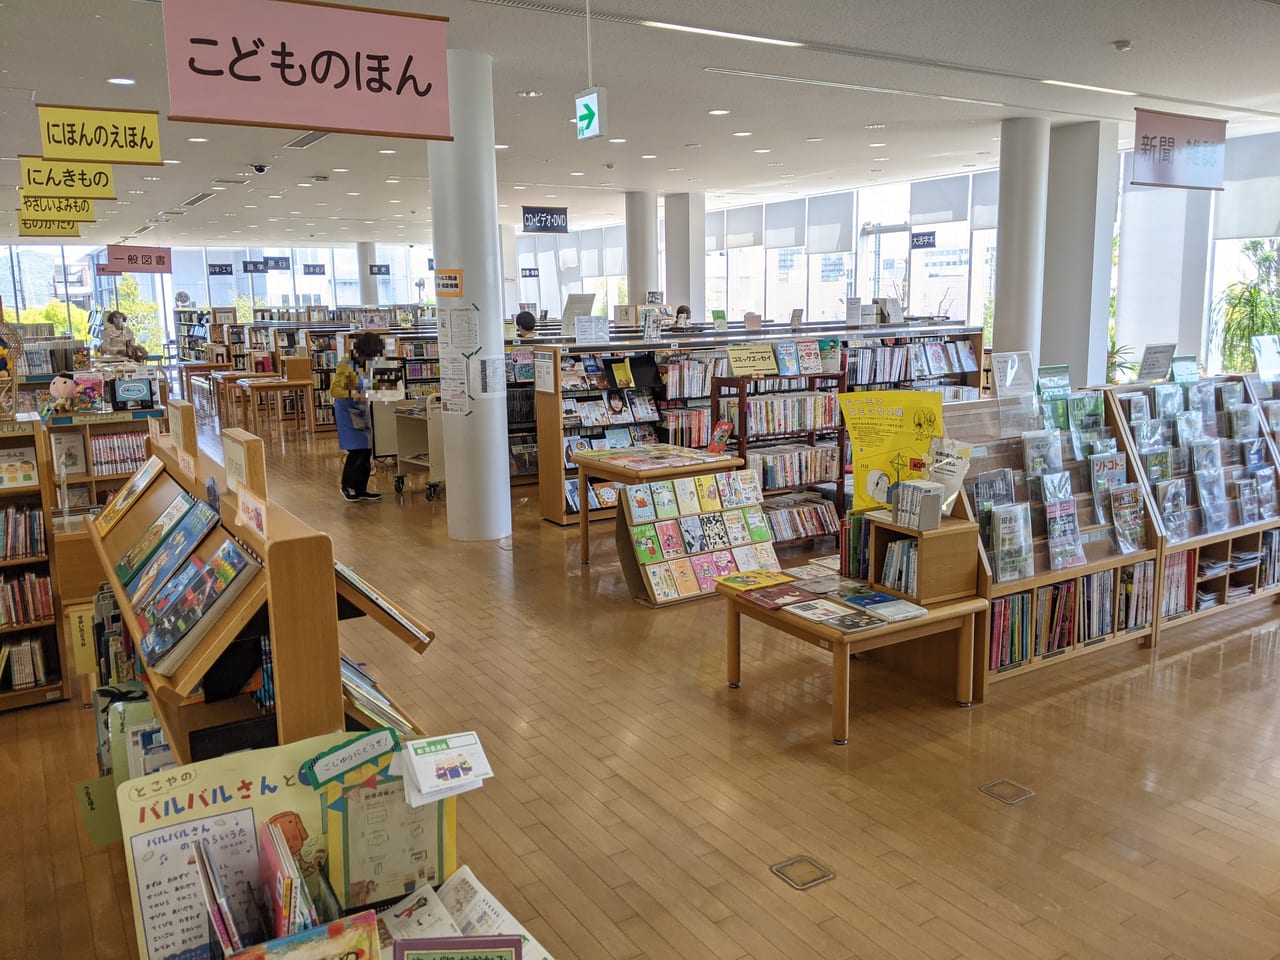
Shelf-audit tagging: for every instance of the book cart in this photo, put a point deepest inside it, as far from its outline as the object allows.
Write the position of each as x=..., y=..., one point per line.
x=1041, y=615
x=1220, y=524
x=35, y=664
x=285, y=600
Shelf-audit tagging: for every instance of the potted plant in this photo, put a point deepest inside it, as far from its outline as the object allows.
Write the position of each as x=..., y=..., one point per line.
x=1249, y=308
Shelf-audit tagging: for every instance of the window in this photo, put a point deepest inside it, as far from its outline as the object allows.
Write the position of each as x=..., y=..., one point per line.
x=882, y=264
x=940, y=275
x=346, y=277
x=982, y=282
x=717, y=281
x=786, y=282
x=830, y=286
x=746, y=281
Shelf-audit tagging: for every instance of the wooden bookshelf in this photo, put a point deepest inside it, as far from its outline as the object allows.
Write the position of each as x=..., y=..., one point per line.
x=96, y=431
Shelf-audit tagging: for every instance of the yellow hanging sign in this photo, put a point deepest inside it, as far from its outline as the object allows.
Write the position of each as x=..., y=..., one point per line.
x=103, y=136
x=752, y=360
x=889, y=433
x=56, y=208
x=50, y=178
x=45, y=227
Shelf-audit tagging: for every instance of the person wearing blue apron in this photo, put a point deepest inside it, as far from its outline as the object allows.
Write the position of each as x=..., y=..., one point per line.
x=352, y=418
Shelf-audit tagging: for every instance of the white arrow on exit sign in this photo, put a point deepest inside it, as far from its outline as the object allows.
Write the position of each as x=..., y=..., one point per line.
x=589, y=108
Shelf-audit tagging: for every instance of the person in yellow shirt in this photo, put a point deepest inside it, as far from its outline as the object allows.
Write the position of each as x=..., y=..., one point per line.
x=351, y=417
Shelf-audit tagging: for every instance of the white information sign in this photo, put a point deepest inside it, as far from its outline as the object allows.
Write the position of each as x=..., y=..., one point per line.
x=1013, y=374
x=459, y=330
x=1155, y=361
x=1174, y=150
x=591, y=330
x=491, y=373
x=544, y=372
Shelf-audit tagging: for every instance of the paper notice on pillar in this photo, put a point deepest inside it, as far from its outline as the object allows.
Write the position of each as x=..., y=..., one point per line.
x=491, y=374
x=459, y=330
x=453, y=385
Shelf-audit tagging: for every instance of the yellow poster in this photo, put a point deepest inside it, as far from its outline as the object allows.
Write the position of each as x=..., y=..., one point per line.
x=752, y=359
x=46, y=227
x=51, y=178
x=103, y=136
x=57, y=208
x=889, y=434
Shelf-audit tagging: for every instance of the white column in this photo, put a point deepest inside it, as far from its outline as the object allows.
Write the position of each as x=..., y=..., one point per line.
x=1164, y=254
x=510, y=269
x=1084, y=169
x=1024, y=187
x=686, y=219
x=366, y=254
x=642, y=244
x=464, y=194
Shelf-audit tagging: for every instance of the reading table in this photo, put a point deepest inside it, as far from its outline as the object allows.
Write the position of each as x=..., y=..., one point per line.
x=955, y=617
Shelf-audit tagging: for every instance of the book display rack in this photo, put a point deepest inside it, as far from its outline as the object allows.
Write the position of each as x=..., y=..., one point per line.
x=97, y=453
x=34, y=660
x=1069, y=538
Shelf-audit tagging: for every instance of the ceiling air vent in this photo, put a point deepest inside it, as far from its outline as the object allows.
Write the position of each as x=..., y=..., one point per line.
x=306, y=140
x=198, y=198
x=141, y=230
x=173, y=213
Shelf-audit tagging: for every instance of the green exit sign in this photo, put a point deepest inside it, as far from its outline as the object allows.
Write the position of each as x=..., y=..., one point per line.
x=589, y=108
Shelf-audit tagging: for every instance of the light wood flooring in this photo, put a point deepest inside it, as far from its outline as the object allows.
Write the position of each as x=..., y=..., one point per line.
x=638, y=802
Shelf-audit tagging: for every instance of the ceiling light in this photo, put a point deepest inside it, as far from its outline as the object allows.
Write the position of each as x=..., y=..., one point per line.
x=197, y=139
x=386, y=151
x=762, y=150
x=718, y=113
x=775, y=163
x=617, y=139
x=984, y=153
x=996, y=139
x=353, y=194
x=786, y=175
x=504, y=205
x=1085, y=86
x=648, y=156
x=304, y=184
x=549, y=196
x=295, y=213
x=877, y=144
x=879, y=159
x=695, y=179
x=812, y=139
x=270, y=196
x=251, y=206
x=137, y=192
x=121, y=81
x=528, y=93
x=675, y=169
x=393, y=201
x=172, y=162
x=576, y=173
x=217, y=188
x=341, y=170
x=873, y=126
x=500, y=146
x=719, y=33
x=391, y=180
x=519, y=188
x=742, y=133
x=968, y=165
x=875, y=170
x=153, y=179
x=693, y=146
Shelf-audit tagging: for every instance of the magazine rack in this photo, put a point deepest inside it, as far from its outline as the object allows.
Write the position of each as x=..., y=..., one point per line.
x=1055, y=615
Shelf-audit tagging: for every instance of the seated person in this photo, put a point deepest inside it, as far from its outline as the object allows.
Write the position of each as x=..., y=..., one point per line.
x=526, y=324
x=117, y=340
x=683, y=316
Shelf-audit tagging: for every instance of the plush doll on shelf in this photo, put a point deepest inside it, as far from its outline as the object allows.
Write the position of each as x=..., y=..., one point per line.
x=62, y=392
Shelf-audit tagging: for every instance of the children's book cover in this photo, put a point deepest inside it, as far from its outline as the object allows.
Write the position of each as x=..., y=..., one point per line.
x=664, y=499
x=670, y=540
x=716, y=533
x=744, y=558
x=686, y=580
x=810, y=356
x=748, y=483
x=730, y=492
x=687, y=495
x=663, y=582
x=175, y=549
x=695, y=538
x=708, y=492
x=735, y=523
x=788, y=355
x=124, y=498
x=640, y=503
x=782, y=595
x=704, y=568
x=723, y=561
x=645, y=539
x=757, y=524
x=767, y=557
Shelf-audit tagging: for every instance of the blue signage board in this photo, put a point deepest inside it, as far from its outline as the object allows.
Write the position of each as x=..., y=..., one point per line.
x=222, y=269
x=528, y=273
x=379, y=269
x=254, y=266
x=277, y=263
x=313, y=269
x=924, y=241
x=546, y=219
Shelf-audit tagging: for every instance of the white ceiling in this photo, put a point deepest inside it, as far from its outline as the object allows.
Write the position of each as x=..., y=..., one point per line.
x=939, y=77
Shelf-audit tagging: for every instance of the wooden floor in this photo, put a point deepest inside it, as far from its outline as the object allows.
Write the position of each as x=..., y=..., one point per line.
x=638, y=802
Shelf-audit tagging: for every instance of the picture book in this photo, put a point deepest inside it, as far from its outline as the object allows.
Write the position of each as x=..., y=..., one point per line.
x=935, y=354
x=730, y=492
x=968, y=357
x=643, y=433
x=720, y=434
x=670, y=540
x=1063, y=526
x=1129, y=514
x=818, y=609
x=663, y=582
x=1042, y=452
x=643, y=409
x=355, y=936
x=664, y=499
x=1106, y=470
x=187, y=607
x=704, y=569
x=766, y=557
x=68, y=453
x=1171, y=499
x=1011, y=530
x=723, y=561
x=810, y=357
x=141, y=551
x=751, y=578
x=686, y=495
x=125, y=497
x=708, y=492
x=716, y=533
x=617, y=438
x=854, y=621
x=735, y=522
x=458, y=948
x=621, y=373
x=175, y=549
x=575, y=445
x=695, y=539
x=745, y=559
x=829, y=350
x=1215, y=511
x=686, y=581
x=645, y=539
x=781, y=595
x=886, y=607
x=757, y=523
x=607, y=493
x=616, y=408
x=639, y=500
x=749, y=484
x=788, y=355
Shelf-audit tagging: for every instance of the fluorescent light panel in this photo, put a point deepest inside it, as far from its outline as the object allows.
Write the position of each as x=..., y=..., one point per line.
x=1085, y=86
x=683, y=28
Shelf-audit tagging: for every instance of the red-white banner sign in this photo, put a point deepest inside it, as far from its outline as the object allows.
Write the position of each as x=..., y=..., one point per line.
x=1173, y=150
x=122, y=259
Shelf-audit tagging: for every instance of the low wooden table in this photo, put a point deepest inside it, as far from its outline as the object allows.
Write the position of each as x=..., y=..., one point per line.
x=954, y=617
x=594, y=463
x=189, y=368
x=252, y=387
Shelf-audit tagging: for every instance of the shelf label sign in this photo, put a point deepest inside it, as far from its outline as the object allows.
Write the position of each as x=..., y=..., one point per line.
x=222, y=270
x=449, y=284
x=589, y=108
x=58, y=208
x=277, y=263
x=1155, y=361
x=529, y=273
x=379, y=269
x=98, y=135
x=49, y=178
x=924, y=241
x=253, y=266
x=308, y=66
x=546, y=219
x=752, y=359
x=139, y=259
x=43, y=227
x=313, y=269
x=1013, y=375
x=1175, y=150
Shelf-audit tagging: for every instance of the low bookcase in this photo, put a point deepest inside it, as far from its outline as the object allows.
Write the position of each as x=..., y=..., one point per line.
x=945, y=559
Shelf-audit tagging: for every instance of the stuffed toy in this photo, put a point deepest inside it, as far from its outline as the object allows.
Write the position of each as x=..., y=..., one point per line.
x=62, y=390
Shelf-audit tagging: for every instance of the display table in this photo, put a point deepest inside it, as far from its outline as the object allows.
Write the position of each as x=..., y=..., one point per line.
x=225, y=393
x=251, y=388
x=641, y=464
x=194, y=368
x=954, y=617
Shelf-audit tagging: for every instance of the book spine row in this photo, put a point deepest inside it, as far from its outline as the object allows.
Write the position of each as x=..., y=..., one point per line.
x=26, y=663
x=789, y=413
x=1055, y=618
x=878, y=365
x=1098, y=594
x=1137, y=587
x=1269, y=575
x=794, y=465
x=419, y=349
x=22, y=533
x=1010, y=631
x=795, y=521
x=901, y=562
x=688, y=427
x=25, y=599
x=691, y=379
x=1179, y=582
x=117, y=452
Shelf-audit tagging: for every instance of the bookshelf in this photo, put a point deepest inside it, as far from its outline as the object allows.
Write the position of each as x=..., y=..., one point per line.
x=946, y=558
x=37, y=661
x=101, y=451
x=321, y=345
x=191, y=331
x=1039, y=615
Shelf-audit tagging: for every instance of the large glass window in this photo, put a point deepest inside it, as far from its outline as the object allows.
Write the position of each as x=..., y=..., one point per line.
x=982, y=282
x=346, y=277
x=395, y=288
x=746, y=281
x=830, y=287
x=940, y=274
x=882, y=264
x=786, y=282
x=313, y=276
x=717, y=282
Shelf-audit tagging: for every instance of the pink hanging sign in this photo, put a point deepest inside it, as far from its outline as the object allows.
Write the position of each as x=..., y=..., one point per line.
x=125, y=259
x=307, y=66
